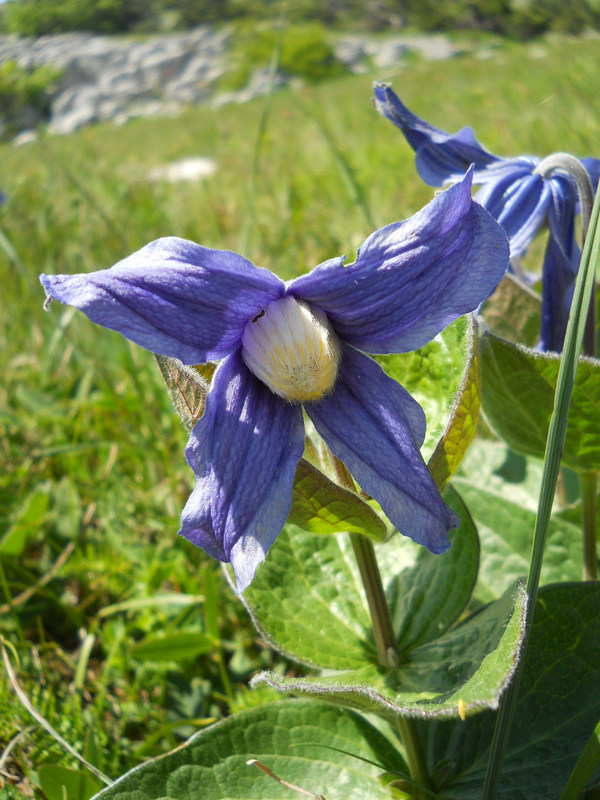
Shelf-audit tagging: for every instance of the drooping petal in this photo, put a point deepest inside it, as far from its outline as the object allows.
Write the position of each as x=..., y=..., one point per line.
x=561, y=263
x=173, y=297
x=440, y=156
x=244, y=452
x=519, y=202
x=375, y=427
x=558, y=282
x=413, y=278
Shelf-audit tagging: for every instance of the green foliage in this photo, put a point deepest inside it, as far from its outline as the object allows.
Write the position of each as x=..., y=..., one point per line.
x=303, y=52
x=444, y=376
x=440, y=663
x=515, y=18
x=40, y=17
x=501, y=489
x=312, y=745
x=321, y=506
x=190, y=13
x=25, y=95
x=461, y=673
x=518, y=399
x=557, y=709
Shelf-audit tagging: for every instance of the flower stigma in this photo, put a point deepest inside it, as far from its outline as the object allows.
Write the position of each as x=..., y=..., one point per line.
x=292, y=348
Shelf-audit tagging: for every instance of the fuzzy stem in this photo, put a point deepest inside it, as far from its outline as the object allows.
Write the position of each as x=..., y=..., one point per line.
x=415, y=758
x=587, y=481
x=364, y=552
x=383, y=632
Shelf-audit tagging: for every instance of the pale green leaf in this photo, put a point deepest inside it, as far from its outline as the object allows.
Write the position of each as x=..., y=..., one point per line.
x=321, y=506
x=320, y=748
x=460, y=673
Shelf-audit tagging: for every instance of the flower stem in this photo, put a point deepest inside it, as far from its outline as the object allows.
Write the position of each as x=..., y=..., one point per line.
x=588, y=482
x=415, y=758
x=364, y=552
x=383, y=632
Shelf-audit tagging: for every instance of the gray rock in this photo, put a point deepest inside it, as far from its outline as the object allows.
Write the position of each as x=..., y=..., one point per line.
x=388, y=54
x=117, y=78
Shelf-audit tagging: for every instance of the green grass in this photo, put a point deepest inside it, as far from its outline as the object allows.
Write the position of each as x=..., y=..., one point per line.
x=91, y=453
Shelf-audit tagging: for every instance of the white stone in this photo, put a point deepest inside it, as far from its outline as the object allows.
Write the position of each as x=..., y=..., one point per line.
x=186, y=169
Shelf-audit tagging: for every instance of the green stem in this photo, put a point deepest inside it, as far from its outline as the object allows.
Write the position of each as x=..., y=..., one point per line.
x=554, y=445
x=584, y=770
x=364, y=552
x=415, y=758
x=383, y=632
x=588, y=482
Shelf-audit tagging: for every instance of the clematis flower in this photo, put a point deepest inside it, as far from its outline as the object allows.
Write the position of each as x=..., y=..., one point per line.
x=301, y=345
x=514, y=193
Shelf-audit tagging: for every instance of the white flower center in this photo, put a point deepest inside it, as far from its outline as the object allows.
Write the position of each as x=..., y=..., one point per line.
x=292, y=348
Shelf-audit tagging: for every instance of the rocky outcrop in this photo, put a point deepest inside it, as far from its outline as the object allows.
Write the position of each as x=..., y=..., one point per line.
x=116, y=78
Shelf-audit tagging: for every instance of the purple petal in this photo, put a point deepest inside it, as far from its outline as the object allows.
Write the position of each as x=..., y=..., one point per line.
x=558, y=282
x=440, y=156
x=561, y=263
x=244, y=451
x=375, y=427
x=519, y=201
x=413, y=278
x=173, y=297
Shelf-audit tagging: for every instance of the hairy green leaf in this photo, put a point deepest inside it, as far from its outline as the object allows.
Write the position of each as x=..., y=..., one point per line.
x=442, y=377
x=317, y=747
x=557, y=709
x=458, y=674
x=308, y=600
x=518, y=399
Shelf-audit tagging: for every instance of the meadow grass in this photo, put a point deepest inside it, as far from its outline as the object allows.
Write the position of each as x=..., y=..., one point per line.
x=93, y=473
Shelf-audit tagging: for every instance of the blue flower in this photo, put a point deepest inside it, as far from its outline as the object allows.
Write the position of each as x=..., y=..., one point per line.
x=514, y=193
x=301, y=345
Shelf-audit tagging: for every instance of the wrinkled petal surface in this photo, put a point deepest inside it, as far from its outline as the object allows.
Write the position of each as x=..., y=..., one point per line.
x=413, y=278
x=558, y=282
x=173, y=297
x=440, y=156
x=375, y=427
x=519, y=201
x=244, y=451
x=561, y=263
